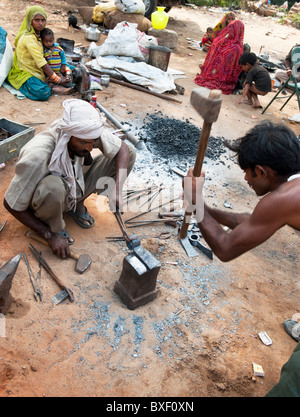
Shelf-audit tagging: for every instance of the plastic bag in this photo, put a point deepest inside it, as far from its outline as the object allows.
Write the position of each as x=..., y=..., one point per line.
x=130, y=6
x=122, y=41
x=6, y=56
x=145, y=42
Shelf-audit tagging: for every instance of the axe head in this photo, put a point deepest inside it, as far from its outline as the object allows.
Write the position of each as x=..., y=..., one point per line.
x=207, y=103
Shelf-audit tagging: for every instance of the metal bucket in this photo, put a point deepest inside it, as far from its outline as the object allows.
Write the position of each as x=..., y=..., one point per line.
x=159, y=57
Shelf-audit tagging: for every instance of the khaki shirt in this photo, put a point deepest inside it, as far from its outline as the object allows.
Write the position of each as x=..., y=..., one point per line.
x=34, y=159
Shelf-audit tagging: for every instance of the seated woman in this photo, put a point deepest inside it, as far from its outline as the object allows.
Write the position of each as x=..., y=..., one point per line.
x=30, y=68
x=227, y=18
x=221, y=67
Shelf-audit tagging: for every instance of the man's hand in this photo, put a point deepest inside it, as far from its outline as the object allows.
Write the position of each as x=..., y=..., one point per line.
x=59, y=245
x=193, y=194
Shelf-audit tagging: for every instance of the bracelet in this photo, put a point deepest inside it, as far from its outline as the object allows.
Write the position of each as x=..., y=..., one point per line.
x=55, y=78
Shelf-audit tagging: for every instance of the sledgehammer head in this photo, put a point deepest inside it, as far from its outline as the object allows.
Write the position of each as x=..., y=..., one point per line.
x=207, y=103
x=83, y=262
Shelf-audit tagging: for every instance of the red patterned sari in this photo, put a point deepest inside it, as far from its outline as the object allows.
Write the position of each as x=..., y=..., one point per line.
x=221, y=66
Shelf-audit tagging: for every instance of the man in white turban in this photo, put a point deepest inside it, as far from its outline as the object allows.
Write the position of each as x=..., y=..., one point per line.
x=55, y=173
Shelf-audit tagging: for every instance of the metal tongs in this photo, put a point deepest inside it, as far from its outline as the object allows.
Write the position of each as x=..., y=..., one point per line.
x=35, y=281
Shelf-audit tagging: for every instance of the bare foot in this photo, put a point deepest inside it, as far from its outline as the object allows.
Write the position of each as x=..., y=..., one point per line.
x=246, y=102
x=256, y=104
x=59, y=89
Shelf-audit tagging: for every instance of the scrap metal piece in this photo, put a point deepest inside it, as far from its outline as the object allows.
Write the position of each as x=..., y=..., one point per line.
x=60, y=297
x=7, y=272
x=265, y=338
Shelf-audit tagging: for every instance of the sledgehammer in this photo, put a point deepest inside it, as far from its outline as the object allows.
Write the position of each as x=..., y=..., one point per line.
x=83, y=261
x=207, y=103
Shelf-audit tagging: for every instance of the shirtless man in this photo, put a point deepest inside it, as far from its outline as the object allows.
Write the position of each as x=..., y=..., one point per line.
x=269, y=155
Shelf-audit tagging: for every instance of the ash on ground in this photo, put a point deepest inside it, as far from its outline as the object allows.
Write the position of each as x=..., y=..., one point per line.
x=172, y=139
x=172, y=143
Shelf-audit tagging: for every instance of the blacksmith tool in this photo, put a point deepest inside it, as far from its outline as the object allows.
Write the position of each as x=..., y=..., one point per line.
x=45, y=265
x=208, y=104
x=35, y=281
x=194, y=238
x=162, y=235
x=83, y=261
x=137, y=283
x=7, y=272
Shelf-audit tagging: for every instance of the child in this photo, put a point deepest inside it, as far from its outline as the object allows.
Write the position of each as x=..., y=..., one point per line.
x=258, y=80
x=207, y=39
x=55, y=55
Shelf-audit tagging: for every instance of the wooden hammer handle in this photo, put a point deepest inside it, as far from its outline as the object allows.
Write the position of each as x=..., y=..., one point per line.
x=37, y=238
x=197, y=171
x=204, y=138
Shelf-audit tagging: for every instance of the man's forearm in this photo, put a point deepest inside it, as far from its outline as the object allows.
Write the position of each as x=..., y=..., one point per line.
x=122, y=163
x=216, y=237
x=27, y=218
x=226, y=218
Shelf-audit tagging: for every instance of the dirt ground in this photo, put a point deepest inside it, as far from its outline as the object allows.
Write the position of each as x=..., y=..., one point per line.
x=199, y=337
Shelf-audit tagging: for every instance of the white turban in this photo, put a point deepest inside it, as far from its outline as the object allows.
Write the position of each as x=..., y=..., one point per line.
x=82, y=120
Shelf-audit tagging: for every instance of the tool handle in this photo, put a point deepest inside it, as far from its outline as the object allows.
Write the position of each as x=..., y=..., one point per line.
x=39, y=239
x=203, y=142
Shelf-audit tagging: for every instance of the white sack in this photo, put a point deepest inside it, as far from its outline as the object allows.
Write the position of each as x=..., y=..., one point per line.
x=122, y=41
x=6, y=62
x=131, y=6
x=138, y=73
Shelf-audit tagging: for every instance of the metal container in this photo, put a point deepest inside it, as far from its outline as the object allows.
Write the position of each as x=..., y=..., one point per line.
x=159, y=57
x=13, y=136
x=92, y=33
x=105, y=80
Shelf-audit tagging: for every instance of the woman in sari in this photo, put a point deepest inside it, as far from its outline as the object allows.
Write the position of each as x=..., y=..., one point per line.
x=227, y=18
x=30, y=68
x=221, y=67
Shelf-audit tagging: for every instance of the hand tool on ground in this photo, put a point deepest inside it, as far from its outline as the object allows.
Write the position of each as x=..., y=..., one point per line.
x=35, y=281
x=208, y=104
x=168, y=222
x=162, y=235
x=137, y=283
x=82, y=84
x=194, y=238
x=83, y=261
x=45, y=265
x=7, y=272
x=3, y=225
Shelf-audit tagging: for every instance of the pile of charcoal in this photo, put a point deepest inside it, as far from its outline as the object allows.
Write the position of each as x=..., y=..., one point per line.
x=173, y=139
